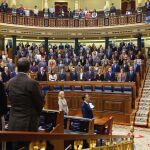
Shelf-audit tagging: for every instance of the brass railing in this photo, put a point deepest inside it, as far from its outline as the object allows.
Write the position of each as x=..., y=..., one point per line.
x=114, y=142
x=68, y=22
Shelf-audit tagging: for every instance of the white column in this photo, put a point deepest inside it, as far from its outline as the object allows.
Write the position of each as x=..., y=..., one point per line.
x=13, y=2
x=107, y=5
x=76, y=4
x=46, y=4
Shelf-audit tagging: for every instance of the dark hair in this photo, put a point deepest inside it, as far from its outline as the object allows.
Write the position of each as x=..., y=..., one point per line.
x=23, y=65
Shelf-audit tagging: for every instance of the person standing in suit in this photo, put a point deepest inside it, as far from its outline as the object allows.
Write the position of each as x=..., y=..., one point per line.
x=122, y=76
x=73, y=75
x=90, y=74
x=110, y=76
x=62, y=75
x=41, y=75
x=62, y=103
x=81, y=75
x=25, y=100
x=136, y=67
x=87, y=111
x=115, y=67
x=131, y=75
x=3, y=111
x=5, y=74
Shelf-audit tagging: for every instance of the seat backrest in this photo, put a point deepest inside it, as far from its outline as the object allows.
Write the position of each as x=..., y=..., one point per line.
x=108, y=126
x=108, y=88
x=117, y=89
x=127, y=89
x=57, y=88
x=87, y=88
x=77, y=88
x=67, y=88
x=98, y=88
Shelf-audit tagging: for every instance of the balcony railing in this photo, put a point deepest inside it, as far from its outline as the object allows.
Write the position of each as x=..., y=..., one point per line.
x=71, y=23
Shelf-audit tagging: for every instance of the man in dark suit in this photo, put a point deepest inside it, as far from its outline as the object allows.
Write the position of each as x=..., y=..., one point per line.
x=6, y=74
x=90, y=74
x=26, y=101
x=62, y=75
x=136, y=67
x=41, y=75
x=131, y=75
x=110, y=76
x=3, y=110
x=3, y=103
x=115, y=67
x=87, y=111
x=73, y=75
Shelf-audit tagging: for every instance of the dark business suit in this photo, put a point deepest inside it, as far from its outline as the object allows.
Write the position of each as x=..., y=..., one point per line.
x=3, y=101
x=131, y=76
x=5, y=76
x=115, y=68
x=87, y=111
x=73, y=76
x=90, y=76
x=110, y=76
x=26, y=103
x=136, y=68
x=62, y=76
x=41, y=77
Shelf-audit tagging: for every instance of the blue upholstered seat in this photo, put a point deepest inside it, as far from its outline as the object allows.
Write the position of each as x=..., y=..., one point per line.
x=127, y=89
x=117, y=89
x=98, y=88
x=87, y=88
x=107, y=89
x=77, y=88
x=45, y=89
x=57, y=88
x=67, y=88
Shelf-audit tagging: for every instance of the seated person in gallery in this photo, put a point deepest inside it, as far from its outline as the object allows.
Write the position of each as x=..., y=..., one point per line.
x=35, y=11
x=94, y=14
x=62, y=103
x=87, y=107
x=41, y=75
x=76, y=14
x=27, y=12
x=21, y=10
x=112, y=10
x=88, y=15
x=82, y=14
x=4, y=6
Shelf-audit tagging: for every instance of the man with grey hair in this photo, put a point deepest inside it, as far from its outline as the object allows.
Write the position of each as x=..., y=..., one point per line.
x=25, y=99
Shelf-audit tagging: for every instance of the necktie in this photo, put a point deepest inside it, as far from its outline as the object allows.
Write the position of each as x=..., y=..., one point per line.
x=121, y=76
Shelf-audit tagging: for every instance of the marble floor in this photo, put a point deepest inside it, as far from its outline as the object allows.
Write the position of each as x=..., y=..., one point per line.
x=142, y=135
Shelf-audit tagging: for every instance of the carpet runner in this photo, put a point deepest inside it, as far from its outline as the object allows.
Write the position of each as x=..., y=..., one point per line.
x=143, y=109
